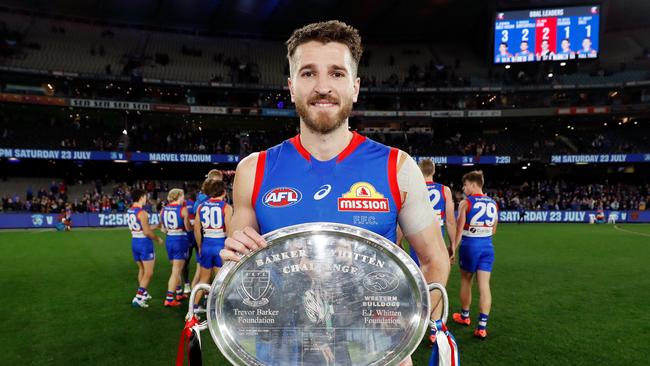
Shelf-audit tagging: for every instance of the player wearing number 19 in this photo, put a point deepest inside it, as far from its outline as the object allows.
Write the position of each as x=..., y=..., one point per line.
x=213, y=216
x=477, y=223
x=176, y=222
x=141, y=245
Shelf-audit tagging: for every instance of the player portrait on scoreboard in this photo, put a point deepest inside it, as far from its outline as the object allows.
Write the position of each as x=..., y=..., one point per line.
x=504, y=55
x=545, y=52
x=587, y=48
x=524, y=53
x=565, y=52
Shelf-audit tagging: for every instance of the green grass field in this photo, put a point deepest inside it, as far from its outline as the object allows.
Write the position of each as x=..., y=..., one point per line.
x=562, y=295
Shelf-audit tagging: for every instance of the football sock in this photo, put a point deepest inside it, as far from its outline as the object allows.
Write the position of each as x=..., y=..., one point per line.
x=170, y=296
x=482, y=321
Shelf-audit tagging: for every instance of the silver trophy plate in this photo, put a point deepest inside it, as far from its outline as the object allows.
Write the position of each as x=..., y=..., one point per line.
x=319, y=294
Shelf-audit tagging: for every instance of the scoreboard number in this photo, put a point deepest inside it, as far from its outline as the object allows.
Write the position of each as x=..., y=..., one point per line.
x=504, y=35
x=524, y=35
x=588, y=28
x=566, y=32
x=545, y=32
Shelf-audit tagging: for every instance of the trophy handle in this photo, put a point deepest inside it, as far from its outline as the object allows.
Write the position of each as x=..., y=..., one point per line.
x=206, y=288
x=445, y=301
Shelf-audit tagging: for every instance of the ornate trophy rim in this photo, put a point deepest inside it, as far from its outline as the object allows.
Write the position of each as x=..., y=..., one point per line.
x=221, y=335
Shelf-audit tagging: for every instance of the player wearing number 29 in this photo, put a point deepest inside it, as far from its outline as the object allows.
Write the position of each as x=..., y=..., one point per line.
x=477, y=223
x=213, y=217
x=176, y=222
x=141, y=245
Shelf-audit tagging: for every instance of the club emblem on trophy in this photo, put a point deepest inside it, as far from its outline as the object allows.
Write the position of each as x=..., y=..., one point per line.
x=256, y=288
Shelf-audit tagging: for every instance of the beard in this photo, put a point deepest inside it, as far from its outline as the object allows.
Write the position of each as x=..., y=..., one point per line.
x=324, y=122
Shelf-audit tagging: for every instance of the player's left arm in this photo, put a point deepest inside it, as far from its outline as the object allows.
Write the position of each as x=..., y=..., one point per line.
x=420, y=227
x=450, y=216
x=160, y=220
x=496, y=221
x=198, y=235
x=186, y=219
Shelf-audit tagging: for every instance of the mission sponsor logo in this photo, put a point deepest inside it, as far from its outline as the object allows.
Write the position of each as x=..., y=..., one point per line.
x=282, y=197
x=363, y=197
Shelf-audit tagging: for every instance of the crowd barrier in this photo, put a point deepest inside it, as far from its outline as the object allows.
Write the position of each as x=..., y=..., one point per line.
x=29, y=220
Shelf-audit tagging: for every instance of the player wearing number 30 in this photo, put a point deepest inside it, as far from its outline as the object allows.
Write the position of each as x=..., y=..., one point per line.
x=477, y=223
x=175, y=220
x=141, y=245
x=213, y=216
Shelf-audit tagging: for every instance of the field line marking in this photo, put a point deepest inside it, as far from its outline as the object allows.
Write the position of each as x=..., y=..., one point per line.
x=630, y=231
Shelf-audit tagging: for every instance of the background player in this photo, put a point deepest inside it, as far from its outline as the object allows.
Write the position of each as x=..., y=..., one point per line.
x=142, y=245
x=213, y=219
x=442, y=203
x=175, y=221
x=190, y=199
x=200, y=198
x=477, y=223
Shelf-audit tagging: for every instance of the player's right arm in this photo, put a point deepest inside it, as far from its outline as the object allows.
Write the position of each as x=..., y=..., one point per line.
x=243, y=233
x=462, y=213
x=143, y=216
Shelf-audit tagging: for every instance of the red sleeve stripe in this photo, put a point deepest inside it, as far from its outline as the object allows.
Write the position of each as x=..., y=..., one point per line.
x=259, y=176
x=392, y=177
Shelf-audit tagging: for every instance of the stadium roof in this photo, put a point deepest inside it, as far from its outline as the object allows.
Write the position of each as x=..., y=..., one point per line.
x=436, y=20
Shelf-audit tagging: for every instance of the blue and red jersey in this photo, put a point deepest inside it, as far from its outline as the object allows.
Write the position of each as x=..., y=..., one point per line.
x=358, y=187
x=480, y=216
x=438, y=200
x=135, y=225
x=212, y=215
x=172, y=220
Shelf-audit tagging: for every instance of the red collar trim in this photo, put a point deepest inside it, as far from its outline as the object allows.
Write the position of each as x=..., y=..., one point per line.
x=429, y=182
x=354, y=143
x=357, y=139
x=301, y=150
x=213, y=199
x=477, y=195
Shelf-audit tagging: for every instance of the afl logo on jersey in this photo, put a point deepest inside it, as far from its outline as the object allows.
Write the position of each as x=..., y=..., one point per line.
x=282, y=197
x=363, y=196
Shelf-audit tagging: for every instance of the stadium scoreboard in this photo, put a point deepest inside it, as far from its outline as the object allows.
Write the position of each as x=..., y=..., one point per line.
x=555, y=34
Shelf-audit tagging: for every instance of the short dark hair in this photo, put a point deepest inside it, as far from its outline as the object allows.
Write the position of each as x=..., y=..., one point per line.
x=136, y=194
x=475, y=176
x=213, y=187
x=326, y=32
x=503, y=44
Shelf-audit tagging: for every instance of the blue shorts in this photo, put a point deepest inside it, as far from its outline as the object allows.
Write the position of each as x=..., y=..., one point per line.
x=142, y=249
x=415, y=257
x=191, y=240
x=210, y=253
x=476, y=254
x=177, y=248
